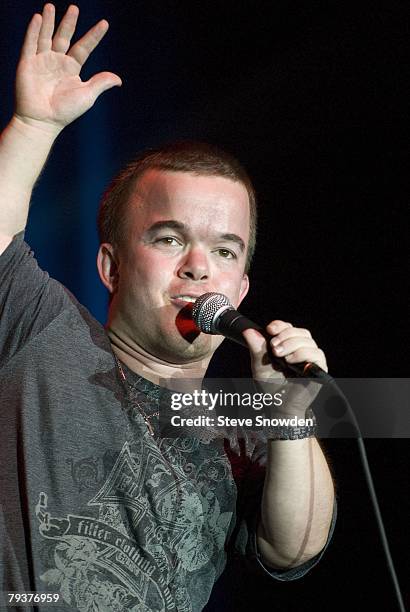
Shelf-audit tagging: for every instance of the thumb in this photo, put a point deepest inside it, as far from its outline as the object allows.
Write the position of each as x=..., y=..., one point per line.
x=255, y=341
x=101, y=82
x=262, y=366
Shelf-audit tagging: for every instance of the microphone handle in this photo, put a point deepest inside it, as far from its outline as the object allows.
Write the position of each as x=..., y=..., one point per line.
x=233, y=323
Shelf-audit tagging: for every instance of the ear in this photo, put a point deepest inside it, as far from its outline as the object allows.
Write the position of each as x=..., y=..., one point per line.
x=244, y=288
x=107, y=265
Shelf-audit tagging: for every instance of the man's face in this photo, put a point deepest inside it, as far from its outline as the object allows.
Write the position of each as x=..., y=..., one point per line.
x=186, y=235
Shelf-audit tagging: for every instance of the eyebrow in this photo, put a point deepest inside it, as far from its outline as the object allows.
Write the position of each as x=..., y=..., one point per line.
x=181, y=227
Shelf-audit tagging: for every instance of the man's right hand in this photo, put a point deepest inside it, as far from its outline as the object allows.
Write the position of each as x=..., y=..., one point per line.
x=49, y=90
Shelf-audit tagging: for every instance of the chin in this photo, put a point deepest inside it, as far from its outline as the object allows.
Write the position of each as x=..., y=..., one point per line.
x=180, y=350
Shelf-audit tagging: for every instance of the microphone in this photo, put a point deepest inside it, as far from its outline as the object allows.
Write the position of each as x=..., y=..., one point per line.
x=214, y=314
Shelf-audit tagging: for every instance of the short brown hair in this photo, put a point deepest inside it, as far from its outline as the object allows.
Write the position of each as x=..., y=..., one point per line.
x=185, y=156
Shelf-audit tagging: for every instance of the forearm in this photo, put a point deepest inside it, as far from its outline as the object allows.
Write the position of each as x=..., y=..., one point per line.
x=297, y=503
x=24, y=149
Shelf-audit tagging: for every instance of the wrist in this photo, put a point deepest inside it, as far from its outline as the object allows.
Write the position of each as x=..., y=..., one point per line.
x=35, y=128
x=297, y=429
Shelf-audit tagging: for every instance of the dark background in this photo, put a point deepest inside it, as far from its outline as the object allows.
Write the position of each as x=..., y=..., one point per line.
x=312, y=98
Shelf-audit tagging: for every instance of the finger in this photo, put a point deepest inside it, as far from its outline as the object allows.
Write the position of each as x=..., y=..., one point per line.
x=47, y=28
x=291, y=344
x=31, y=38
x=66, y=29
x=276, y=326
x=101, y=82
x=308, y=354
x=83, y=48
x=291, y=332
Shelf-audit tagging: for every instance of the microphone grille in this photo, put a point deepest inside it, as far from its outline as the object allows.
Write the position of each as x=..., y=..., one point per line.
x=205, y=309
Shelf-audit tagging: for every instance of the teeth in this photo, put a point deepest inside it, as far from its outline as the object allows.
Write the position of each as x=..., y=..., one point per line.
x=186, y=298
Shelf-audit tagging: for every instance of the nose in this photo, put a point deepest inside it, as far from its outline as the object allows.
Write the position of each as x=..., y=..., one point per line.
x=194, y=266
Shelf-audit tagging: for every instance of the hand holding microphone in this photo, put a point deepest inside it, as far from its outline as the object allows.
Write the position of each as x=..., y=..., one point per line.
x=214, y=314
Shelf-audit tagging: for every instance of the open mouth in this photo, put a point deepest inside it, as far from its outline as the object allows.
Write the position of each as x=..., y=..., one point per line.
x=182, y=300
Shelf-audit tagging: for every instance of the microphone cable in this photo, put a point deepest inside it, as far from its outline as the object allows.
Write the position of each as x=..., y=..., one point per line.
x=373, y=497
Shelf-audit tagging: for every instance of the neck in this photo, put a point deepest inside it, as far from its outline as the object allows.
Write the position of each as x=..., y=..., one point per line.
x=173, y=376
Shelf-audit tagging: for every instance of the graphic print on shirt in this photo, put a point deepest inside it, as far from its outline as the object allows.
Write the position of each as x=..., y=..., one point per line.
x=158, y=521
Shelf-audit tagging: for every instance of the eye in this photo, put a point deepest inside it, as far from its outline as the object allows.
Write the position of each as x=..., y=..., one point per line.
x=168, y=241
x=226, y=254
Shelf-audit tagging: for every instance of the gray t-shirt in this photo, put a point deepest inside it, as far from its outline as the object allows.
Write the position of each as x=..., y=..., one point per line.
x=92, y=507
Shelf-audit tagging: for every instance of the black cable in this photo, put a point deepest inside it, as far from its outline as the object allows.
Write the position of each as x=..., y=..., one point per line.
x=373, y=496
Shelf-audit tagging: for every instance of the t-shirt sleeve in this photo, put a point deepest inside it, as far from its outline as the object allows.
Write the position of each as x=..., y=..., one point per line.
x=295, y=572
x=29, y=299
x=249, y=502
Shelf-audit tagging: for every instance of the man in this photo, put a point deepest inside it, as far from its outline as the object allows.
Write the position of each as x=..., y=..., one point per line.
x=98, y=510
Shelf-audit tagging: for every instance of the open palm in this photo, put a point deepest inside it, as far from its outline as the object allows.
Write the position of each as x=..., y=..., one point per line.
x=48, y=84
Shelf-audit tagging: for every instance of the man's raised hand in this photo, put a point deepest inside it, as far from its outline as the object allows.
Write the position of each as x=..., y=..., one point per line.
x=49, y=90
